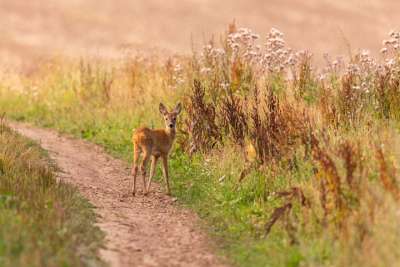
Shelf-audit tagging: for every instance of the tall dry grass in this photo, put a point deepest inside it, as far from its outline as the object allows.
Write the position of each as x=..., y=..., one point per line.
x=292, y=164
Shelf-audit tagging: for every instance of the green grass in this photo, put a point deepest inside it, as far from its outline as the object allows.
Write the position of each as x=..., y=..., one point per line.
x=357, y=225
x=233, y=216
x=42, y=222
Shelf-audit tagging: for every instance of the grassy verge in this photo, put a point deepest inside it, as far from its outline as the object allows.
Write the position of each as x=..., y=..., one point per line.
x=196, y=181
x=43, y=222
x=236, y=212
x=286, y=172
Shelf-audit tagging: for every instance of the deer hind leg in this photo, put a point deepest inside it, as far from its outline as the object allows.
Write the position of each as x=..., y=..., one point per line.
x=154, y=160
x=143, y=166
x=165, y=172
x=134, y=170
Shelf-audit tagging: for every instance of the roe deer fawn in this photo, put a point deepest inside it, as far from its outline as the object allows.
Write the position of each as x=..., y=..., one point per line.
x=154, y=143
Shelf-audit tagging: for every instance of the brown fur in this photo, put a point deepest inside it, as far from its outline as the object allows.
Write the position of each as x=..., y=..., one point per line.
x=153, y=144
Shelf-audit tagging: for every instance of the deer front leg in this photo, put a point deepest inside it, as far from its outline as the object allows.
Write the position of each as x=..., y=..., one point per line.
x=165, y=172
x=146, y=157
x=154, y=160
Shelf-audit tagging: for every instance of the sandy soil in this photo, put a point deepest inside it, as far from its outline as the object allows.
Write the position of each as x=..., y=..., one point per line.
x=34, y=29
x=140, y=231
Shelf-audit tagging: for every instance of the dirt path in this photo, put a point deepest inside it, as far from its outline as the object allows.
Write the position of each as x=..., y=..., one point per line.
x=140, y=231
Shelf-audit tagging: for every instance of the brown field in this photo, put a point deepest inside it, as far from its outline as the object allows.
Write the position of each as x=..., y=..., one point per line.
x=36, y=29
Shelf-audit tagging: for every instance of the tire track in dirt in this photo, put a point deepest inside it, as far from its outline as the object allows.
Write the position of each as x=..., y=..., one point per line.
x=140, y=231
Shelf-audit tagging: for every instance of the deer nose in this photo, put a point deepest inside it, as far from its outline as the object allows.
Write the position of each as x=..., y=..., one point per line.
x=171, y=126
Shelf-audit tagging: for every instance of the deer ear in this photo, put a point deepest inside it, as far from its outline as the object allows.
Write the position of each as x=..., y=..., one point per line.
x=178, y=108
x=163, y=109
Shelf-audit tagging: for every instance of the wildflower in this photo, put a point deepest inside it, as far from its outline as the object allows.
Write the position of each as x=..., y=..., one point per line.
x=179, y=80
x=365, y=53
x=208, y=47
x=177, y=68
x=390, y=62
x=321, y=77
x=224, y=85
x=276, y=32
x=205, y=70
x=218, y=52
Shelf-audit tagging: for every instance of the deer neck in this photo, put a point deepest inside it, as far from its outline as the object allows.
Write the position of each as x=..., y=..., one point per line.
x=171, y=133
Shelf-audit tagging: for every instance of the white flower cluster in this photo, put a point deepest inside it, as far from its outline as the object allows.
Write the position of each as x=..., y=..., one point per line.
x=243, y=46
x=332, y=66
x=178, y=74
x=392, y=44
x=367, y=63
x=243, y=37
x=277, y=55
x=391, y=52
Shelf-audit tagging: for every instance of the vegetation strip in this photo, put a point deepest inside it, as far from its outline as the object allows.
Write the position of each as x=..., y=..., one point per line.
x=44, y=222
x=290, y=165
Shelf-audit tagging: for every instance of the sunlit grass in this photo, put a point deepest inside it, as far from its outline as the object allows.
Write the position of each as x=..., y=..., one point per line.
x=43, y=222
x=289, y=166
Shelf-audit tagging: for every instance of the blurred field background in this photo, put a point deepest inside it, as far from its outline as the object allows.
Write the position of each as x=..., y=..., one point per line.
x=33, y=30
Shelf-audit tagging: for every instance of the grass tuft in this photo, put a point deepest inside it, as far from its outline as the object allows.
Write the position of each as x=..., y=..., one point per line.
x=43, y=222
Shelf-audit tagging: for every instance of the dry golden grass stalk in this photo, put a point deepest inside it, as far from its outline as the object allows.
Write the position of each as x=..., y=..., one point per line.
x=387, y=174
